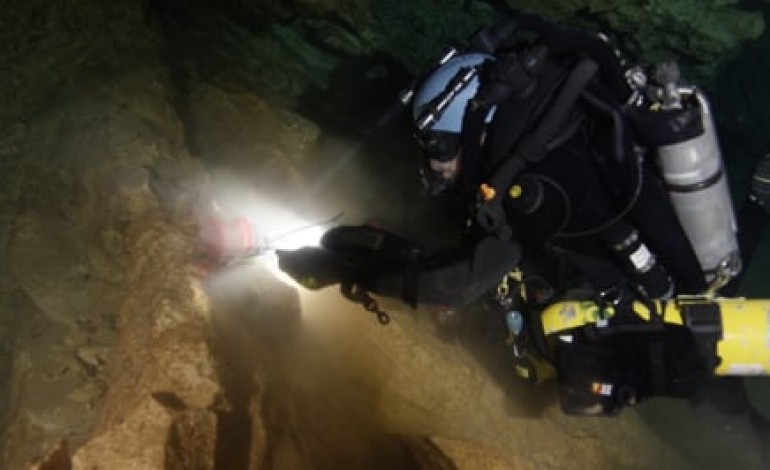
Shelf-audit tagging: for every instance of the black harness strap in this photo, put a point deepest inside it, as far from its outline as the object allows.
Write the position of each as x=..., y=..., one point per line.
x=656, y=356
x=533, y=147
x=474, y=122
x=704, y=319
x=517, y=116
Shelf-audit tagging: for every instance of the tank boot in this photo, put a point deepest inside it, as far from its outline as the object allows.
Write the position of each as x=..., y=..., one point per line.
x=760, y=184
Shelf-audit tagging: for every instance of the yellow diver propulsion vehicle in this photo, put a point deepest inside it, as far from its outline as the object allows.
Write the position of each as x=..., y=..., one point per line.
x=739, y=328
x=611, y=353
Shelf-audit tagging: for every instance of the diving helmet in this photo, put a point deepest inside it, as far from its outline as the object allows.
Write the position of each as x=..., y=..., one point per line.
x=438, y=109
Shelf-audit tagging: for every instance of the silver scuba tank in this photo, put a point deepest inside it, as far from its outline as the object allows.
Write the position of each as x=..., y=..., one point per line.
x=696, y=181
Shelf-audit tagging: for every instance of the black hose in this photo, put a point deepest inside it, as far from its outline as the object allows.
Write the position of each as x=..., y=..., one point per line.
x=622, y=213
x=530, y=148
x=617, y=124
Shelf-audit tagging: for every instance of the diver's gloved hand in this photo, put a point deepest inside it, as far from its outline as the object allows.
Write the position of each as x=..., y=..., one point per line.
x=312, y=267
x=370, y=249
x=349, y=255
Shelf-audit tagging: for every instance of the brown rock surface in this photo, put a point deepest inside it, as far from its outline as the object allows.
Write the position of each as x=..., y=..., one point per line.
x=129, y=361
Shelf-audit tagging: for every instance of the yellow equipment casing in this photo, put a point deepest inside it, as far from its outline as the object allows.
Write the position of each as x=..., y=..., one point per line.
x=745, y=345
x=742, y=349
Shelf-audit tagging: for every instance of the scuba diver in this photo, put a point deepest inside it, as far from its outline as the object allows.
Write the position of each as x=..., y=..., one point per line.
x=594, y=201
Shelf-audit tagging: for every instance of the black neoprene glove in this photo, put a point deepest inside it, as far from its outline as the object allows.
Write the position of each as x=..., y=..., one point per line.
x=312, y=267
x=348, y=254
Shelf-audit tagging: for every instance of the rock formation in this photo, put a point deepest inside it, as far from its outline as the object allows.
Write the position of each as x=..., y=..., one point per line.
x=122, y=352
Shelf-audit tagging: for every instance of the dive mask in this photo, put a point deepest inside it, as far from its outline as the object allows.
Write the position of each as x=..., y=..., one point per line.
x=440, y=151
x=438, y=145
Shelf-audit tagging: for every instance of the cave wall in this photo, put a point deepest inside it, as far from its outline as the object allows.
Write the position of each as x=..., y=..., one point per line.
x=700, y=33
x=321, y=55
x=334, y=61
x=46, y=48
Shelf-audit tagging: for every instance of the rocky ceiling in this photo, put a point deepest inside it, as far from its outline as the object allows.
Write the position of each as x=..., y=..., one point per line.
x=115, y=120
x=338, y=54
x=332, y=53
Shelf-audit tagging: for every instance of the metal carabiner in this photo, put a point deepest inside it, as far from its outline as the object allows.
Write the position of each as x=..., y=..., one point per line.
x=383, y=317
x=357, y=294
x=503, y=289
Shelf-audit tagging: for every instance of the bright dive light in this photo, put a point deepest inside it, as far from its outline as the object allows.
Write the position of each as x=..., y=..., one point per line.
x=238, y=245
x=243, y=227
x=240, y=227
x=305, y=235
